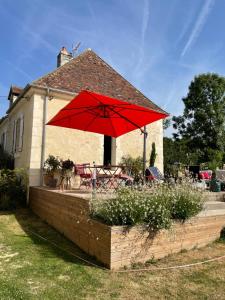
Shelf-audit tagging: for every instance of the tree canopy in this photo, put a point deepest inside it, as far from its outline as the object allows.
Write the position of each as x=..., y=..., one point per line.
x=166, y=123
x=202, y=125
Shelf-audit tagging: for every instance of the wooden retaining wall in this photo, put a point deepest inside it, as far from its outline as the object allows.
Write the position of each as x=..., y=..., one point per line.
x=70, y=216
x=118, y=246
x=138, y=245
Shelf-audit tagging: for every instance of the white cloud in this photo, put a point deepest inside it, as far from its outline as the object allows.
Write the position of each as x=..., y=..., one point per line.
x=145, y=21
x=199, y=24
x=144, y=27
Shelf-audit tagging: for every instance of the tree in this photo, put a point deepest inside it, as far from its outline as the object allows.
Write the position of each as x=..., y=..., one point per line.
x=153, y=155
x=166, y=123
x=177, y=151
x=202, y=124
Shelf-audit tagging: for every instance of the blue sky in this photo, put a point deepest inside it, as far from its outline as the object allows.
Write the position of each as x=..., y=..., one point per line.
x=158, y=45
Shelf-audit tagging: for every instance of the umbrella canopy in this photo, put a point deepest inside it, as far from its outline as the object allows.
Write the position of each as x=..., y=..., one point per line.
x=101, y=114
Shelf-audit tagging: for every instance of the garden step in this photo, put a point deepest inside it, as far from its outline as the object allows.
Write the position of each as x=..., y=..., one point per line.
x=212, y=212
x=212, y=196
x=213, y=208
x=212, y=205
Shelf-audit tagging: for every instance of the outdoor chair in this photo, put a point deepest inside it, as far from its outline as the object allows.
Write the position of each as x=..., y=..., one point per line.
x=85, y=176
x=153, y=173
x=205, y=175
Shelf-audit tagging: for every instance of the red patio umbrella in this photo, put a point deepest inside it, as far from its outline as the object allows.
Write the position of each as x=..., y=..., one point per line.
x=105, y=115
x=101, y=114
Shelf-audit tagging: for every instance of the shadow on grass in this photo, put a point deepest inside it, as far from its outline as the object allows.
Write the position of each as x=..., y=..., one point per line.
x=222, y=235
x=5, y=213
x=56, y=244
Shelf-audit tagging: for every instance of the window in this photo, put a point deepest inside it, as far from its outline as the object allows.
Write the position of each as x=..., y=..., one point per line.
x=17, y=146
x=109, y=151
x=107, y=160
x=18, y=135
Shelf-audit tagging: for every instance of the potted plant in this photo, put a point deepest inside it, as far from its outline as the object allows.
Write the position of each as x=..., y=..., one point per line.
x=51, y=166
x=67, y=168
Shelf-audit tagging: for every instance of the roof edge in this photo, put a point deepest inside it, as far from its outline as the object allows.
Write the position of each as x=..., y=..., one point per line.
x=3, y=119
x=52, y=89
x=29, y=86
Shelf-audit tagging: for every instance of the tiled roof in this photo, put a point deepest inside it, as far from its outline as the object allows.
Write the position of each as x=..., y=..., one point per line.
x=15, y=90
x=88, y=71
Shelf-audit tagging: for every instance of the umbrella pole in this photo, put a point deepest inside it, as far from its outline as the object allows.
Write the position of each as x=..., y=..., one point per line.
x=144, y=152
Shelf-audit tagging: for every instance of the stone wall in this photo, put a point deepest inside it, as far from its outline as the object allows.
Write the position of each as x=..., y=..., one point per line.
x=118, y=246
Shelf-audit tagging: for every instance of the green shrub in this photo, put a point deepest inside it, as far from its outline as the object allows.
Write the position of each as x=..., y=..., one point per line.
x=6, y=160
x=222, y=234
x=153, y=155
x=13, y=189
x=52, y=164
x=186, y=202
x=133, y=166
x=215, y=159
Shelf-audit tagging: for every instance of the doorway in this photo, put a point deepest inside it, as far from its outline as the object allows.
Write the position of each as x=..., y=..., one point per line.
x=107, y=160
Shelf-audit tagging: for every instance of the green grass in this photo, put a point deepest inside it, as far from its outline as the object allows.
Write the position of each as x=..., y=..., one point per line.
x=31, y=268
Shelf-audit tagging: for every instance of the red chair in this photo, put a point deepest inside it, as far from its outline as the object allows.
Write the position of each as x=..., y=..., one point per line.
x=85, y=176
x=205, y=175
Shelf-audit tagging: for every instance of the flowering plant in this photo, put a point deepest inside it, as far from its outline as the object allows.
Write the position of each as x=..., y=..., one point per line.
x=155, y=208
x=186, y=202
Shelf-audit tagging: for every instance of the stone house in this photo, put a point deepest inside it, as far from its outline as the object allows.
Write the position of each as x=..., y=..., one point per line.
x=23, y=132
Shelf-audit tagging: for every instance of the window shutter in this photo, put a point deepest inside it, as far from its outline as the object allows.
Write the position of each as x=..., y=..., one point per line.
x=14, y=137
x=20, y=148
x=5, y=140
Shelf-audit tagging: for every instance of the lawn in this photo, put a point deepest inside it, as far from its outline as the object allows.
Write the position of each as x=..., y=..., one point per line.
x=32, y=268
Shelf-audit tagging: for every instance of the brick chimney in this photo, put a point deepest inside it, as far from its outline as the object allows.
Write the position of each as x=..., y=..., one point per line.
x=63, y=57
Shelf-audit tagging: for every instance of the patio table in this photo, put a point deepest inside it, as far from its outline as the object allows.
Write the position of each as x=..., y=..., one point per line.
x=106, y=177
